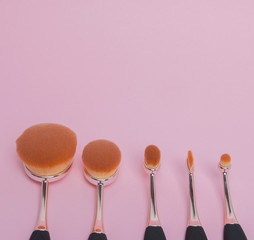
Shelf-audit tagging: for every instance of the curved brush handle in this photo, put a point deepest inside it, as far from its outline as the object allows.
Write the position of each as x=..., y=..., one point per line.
x=154, y=233
x=40, y=235
x=40, y=232
x=234, y=232
x=97, y=236
x=195, y=233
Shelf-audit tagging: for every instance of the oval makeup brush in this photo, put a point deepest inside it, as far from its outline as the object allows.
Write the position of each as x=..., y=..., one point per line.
x=154, y=230
x=46, y=151
x=194, y=230
x=232, y=229
x=101, y=159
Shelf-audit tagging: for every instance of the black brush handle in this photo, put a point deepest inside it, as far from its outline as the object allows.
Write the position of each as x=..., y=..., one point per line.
x=97, y=236
x=154, y=233
x=234, y=232
x=40, y=235
x=195, y=233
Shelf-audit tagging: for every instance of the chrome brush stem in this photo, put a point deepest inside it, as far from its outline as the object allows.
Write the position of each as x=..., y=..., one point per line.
x=153, y=218
x=98, y=223
x=193, y=214
x=229, y=211
x=42, y=218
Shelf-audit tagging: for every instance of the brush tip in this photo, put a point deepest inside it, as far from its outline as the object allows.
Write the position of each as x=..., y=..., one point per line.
x=101, y=159
x=47, y=148
x=190, y=161
x=225, y=161
x=152, y=157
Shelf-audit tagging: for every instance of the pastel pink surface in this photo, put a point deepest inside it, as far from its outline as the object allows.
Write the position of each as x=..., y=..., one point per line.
x=178, y=74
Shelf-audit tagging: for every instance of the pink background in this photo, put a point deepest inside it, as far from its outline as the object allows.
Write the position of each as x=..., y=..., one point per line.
x=178, y=74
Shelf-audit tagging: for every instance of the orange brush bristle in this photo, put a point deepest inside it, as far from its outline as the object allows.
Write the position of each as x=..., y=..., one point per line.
x=190, y=161
x=47, y=149
x=101, y=159
x=225, y=161
x=152, y=157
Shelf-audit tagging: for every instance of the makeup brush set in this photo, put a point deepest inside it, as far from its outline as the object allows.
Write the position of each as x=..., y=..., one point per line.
x=47, y=150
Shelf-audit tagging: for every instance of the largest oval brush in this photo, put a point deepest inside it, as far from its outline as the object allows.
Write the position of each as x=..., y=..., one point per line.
x=232, y=229
x=154, y=230
x=46, y=151
x=101, y=159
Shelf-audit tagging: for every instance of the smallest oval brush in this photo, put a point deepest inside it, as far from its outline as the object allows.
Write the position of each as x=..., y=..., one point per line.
x=152, y=162
x=232, y=230
x=194, y=230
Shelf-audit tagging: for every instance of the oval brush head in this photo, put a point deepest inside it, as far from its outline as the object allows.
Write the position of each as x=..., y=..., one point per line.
x=225, y=161
x=47, y=149
x=190, y=161
x=152, y=157
x=101, y=159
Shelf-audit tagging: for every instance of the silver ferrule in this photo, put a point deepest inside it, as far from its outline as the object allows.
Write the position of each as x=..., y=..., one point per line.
x=98, y=223
x=42, y=218
x=229, y=211
x=51, y=178
x=193, y=213
x=153, y=218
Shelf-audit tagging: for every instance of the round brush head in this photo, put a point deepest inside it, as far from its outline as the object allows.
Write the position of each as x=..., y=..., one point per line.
x=47, y=149
x=152, y=157
x=225, y=161
x=101, y=159
x=190, y=161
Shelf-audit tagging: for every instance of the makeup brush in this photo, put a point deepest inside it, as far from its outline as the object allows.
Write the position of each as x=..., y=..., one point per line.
x=194, y=230
x=154, y=230
x=46, y=151
x=232, y=229
x=101, y=159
